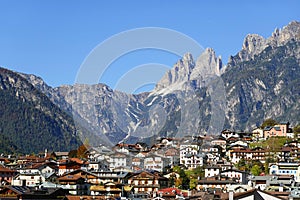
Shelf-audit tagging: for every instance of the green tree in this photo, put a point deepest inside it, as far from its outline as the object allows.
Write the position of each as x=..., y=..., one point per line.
x=296, y=130
x=242, y=165
x=256, y=170
x=183, y=182
x=267, y=162
x=194, y=175
x=268, y=122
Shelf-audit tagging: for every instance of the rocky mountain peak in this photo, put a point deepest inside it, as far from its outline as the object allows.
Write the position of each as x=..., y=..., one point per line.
x=187, y=69
x=179, y=73
x=188, y=57
x=207, y=64
x=254, y=44
x=289, y=32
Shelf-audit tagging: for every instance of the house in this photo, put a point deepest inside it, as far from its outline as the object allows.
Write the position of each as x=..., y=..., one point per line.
x=108, y=190
x=6, y=175
x=170, y=142
x=75, y=183
x=127, y=148
x=99, y=165
x=29, y=159
x=259, y=182
x=35, y=173
x=239, y=188
x=213, y=153
x=253, y=194
x=60, y=155
x=173, y=155
x=235, y=155
x=154, y=162
x=118, y=159
x=23, y=192
x=210, y=171
x=69, y=165
x=272, y=183
x=43, y=168
x=280, y=168
x=98, y=153
x=239, y=143
x=146, y=182
x=122, y=169
x=171, y=193
x=93, y=178
x=4, y=161
x=219, y=142
x=110, y=176
x=282, y=129
x=228, y=134
x=138, y=162
x=282, y=183
x=215, y=182
x=28, y=179
x=191, y=156
x=238, y=175
x=287, y=154
x=258, y=133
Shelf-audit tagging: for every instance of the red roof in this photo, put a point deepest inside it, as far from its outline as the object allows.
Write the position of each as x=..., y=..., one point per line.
x=172, y=191
x=5, y=169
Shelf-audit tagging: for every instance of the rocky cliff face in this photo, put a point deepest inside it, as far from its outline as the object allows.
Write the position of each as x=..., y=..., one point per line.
x=267, y=87
x=260, y=82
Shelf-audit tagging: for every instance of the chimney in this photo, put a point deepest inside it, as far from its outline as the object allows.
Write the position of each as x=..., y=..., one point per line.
x=230, y=194
x=46, y=152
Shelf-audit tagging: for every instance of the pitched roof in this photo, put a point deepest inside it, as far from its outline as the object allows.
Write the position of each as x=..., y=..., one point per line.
x=255, y=195
x=61, y=153
x=5, y=169
x=267, y=128
x=70, y=178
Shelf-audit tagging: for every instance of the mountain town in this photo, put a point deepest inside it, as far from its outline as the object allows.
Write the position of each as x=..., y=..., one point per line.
x=89, y=141
x=231, y=165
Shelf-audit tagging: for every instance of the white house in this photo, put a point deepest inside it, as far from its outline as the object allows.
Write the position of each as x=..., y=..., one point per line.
x=286, y=169
x=119, y=160
x=102, y=165
x=238, y=175
x=228, y=134
x=154, y=162
x=28, y=179
x=258, y=133
x=211, y=171
x=190, y=155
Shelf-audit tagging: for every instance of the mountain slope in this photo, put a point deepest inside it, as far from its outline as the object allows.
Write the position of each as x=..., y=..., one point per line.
x=29, y=121
x=267, y=86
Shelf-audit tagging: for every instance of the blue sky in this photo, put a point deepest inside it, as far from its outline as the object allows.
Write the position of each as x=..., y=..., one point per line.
x=51, y=39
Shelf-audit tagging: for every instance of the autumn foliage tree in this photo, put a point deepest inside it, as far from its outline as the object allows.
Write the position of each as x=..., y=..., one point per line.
x=82, y=152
